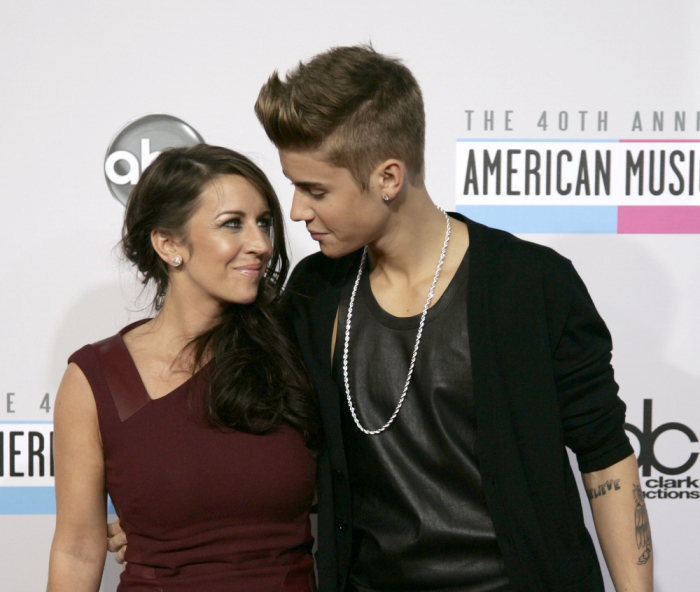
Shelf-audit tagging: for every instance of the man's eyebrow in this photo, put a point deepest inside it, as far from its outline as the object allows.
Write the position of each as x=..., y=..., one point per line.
x=306, y=184
x=302, y=184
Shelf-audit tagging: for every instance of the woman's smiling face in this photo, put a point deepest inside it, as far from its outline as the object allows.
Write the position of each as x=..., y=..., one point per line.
x=228, y=242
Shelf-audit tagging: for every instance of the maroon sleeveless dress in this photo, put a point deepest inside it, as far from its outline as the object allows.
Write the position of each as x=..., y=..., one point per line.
x=203, y=509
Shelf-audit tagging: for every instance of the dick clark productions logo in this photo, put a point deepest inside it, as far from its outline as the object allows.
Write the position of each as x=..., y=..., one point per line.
x=663, y=487
x=138, y=144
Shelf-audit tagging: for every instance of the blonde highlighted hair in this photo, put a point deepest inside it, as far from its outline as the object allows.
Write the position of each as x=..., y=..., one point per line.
x=357, y=106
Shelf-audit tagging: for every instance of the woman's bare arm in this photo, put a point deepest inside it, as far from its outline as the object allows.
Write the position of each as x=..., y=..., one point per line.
x=80, y=541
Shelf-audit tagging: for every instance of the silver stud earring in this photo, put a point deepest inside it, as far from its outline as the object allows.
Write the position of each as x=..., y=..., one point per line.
x=385, y=197
x=176, y=260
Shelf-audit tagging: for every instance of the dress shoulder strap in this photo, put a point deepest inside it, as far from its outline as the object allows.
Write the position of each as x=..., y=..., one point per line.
x=112, y=374
x=121, y=375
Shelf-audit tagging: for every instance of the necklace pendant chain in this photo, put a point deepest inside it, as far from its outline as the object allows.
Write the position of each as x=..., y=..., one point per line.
x=346, y=349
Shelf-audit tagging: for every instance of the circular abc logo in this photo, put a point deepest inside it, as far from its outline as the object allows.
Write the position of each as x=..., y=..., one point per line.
x=138, y=144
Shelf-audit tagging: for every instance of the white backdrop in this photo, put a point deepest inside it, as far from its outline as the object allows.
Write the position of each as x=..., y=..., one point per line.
x=73, y=73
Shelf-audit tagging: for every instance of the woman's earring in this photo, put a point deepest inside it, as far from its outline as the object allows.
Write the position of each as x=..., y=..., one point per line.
x=176, y=260
x=385, y=197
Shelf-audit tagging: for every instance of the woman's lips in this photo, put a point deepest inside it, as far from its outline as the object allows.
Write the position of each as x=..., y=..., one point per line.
x=317, y=236
x=250, y=270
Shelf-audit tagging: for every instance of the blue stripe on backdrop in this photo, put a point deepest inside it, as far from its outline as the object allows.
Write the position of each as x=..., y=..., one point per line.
x=25, y=421
x=545, y=219
x=32, y=500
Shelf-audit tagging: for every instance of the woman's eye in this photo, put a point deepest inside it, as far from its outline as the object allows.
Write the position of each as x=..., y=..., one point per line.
x=233, y=223
x=265, y=223
x=317, y=195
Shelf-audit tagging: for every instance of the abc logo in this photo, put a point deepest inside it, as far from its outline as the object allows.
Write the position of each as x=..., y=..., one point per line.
x=647, y=437
x=137, y=145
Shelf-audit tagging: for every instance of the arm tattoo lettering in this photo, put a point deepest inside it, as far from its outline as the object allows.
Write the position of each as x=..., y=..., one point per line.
x=603, y=488
x=641, y=525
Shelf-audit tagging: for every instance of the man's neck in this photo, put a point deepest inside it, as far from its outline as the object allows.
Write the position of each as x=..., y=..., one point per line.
x=411, y=243
x=403, y=260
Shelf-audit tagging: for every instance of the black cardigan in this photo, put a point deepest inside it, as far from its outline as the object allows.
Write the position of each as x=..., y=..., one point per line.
x=542, y=381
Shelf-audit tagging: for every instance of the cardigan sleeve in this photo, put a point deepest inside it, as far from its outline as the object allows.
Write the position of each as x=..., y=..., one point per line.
x=593, y=415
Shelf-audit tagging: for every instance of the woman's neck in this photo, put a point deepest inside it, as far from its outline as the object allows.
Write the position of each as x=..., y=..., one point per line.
x=182, y=318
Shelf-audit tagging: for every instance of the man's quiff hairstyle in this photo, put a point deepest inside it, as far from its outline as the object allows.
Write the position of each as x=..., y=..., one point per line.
x=357, y=106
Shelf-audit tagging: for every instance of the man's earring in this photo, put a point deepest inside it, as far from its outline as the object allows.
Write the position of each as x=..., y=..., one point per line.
x=176, y=260
x=385, y=197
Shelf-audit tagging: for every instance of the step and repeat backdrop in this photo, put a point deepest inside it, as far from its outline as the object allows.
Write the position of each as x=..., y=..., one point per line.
x=575, y=126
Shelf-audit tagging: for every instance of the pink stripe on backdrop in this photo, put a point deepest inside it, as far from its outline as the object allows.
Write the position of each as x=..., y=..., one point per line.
x=658, y=220
x=659, y=141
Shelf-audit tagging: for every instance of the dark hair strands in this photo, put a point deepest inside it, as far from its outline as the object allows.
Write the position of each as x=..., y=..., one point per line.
x=256, y=380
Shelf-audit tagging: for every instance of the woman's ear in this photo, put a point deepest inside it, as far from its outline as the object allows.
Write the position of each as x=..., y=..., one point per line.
x=169, y=249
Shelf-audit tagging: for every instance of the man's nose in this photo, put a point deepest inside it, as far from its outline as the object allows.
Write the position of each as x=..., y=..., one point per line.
x=300, y=210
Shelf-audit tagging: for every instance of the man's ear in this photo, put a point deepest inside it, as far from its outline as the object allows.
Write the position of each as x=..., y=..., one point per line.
x=390, y=176
x=168, y=248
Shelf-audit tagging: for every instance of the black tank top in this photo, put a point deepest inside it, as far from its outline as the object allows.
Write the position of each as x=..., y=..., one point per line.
x=419, y=512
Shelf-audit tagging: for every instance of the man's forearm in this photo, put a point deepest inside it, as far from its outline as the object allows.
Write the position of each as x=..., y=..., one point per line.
x=622, y=524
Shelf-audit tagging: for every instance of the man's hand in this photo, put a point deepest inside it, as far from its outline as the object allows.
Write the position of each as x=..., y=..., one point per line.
x=116, y=541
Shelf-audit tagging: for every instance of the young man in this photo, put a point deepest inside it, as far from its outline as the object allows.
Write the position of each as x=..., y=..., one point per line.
x=444, y=466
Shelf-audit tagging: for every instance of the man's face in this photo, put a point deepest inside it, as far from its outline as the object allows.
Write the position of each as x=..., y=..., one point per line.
x=337, y=213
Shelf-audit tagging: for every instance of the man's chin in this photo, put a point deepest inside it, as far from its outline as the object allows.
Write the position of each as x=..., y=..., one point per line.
x=336, y=251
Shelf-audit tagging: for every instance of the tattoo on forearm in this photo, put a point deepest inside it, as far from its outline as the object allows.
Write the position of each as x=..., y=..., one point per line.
x=641, y=525
x=603, y=488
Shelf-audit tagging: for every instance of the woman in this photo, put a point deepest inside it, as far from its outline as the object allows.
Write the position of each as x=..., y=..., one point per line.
x=198, y=422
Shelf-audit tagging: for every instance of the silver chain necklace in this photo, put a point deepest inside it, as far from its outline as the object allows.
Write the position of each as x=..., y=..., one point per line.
x=431, y=293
